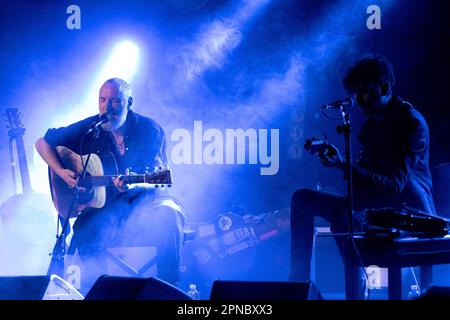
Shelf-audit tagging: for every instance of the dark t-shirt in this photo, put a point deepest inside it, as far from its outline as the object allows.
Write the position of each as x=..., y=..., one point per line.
x=392, y=168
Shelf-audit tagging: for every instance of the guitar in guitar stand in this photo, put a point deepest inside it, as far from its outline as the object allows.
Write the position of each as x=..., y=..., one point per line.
x=28, y=219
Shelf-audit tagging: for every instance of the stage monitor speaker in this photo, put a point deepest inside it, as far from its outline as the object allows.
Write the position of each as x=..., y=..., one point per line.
x=127, y=288
x=37, y=288
x=265, y=290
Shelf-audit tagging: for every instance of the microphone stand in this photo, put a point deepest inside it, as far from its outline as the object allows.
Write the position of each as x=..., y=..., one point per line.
x=59, y=250
x=345, y=130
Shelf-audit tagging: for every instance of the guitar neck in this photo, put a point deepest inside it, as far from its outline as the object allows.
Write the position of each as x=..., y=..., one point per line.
x=23, y=165
x=104, y=181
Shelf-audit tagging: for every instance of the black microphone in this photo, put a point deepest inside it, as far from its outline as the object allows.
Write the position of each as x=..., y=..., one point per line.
x=97, y=123
x=338, y=104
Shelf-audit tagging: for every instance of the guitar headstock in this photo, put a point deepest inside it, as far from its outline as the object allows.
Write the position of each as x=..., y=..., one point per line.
x=14, y=122
x=159, y=177
x=318, y=145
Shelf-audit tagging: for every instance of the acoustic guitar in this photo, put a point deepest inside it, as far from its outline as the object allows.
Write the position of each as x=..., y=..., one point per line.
x=95, y=182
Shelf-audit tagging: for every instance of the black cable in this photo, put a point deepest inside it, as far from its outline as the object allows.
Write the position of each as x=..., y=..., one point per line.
x=60, y=245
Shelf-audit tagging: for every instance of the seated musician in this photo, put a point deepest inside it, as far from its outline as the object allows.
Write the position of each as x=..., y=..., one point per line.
x=392, y=168
x=134, y=214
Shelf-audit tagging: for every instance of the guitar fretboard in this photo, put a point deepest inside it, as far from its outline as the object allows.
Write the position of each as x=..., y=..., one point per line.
x=98, y=181
x=23, y=165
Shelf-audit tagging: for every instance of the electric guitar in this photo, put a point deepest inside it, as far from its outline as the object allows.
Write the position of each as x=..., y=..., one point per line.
x=93, y=193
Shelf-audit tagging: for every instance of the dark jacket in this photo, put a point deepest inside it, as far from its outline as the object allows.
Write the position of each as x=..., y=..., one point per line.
x=145, y=147
x=144, y=142
x=392, y=168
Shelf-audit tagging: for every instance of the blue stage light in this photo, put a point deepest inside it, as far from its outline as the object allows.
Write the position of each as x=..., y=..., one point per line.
x=122, y=62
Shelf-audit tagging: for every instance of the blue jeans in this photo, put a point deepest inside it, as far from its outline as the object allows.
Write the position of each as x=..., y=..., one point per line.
x=305, y=205
x=134, y=218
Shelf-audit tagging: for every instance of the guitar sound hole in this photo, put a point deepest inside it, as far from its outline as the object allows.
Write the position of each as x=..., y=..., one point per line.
x=85, y=197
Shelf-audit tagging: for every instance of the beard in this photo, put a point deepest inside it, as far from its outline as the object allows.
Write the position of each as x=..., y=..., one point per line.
x=114, y=123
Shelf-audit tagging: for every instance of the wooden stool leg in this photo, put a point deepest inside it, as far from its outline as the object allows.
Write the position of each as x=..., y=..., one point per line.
x=121, y=263
x=395, y=283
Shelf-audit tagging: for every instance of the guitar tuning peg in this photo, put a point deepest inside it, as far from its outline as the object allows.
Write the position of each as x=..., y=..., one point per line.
x=156, y=186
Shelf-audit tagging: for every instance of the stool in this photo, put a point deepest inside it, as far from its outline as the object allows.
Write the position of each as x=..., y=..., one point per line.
x=395, y=254
x=188, y=235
